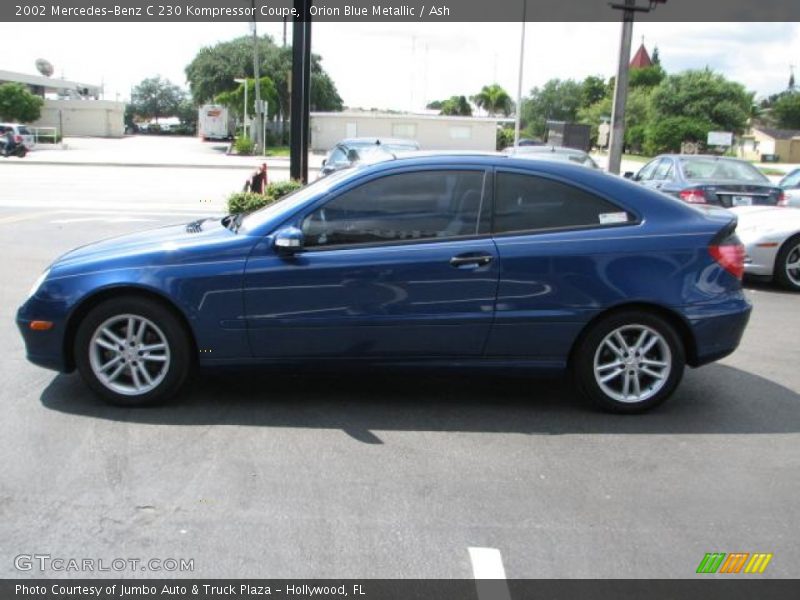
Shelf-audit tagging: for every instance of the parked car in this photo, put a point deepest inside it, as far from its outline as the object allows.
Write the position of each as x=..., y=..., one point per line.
x=557, y=153
x=714, y=180
x=790, y=185
x=467, y=261
x=22, y=134
x=771, y=237
x=352, y=151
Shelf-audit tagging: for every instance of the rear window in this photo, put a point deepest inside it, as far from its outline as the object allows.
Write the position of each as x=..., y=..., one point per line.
x=529, y=203
x=22, y=130
x=706, y=169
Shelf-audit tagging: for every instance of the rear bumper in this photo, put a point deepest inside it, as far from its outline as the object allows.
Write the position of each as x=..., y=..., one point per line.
x=718, y=330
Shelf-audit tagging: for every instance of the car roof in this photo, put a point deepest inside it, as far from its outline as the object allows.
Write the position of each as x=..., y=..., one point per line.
x=377, y=141
x=705, y=156
x=545, y=150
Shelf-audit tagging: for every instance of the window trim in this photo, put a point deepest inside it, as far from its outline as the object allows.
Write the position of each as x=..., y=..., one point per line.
x=301, y=215
x=500, y=170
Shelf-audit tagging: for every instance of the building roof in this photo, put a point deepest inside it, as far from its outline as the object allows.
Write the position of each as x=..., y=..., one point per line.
x=407, y=116
x=779, y=134
x=641, y=60
x=50, y=84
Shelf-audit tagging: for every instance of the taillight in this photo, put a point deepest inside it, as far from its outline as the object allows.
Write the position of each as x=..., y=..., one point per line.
x=18, y=139
x=783, y=199
x=729, y=252
x=693, y=196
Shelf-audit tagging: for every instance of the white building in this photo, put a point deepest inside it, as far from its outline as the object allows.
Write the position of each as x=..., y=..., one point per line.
x=72, y=107
x=432, y=132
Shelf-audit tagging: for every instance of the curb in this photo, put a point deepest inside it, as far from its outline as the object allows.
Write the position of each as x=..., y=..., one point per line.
x=140, y=165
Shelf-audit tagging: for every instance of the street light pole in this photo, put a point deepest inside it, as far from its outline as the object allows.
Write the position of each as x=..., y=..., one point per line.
x=259, y=147
x=615, y=146
x=518, y=116
x=621, y=91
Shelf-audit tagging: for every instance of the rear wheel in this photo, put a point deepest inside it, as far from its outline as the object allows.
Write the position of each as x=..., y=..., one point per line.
x=132, y=351
x=629, y=362
x=787, y=265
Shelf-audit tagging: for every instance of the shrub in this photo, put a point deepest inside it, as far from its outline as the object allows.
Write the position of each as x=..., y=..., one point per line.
x=279, y=189
x=244, y=145
x=245, y=202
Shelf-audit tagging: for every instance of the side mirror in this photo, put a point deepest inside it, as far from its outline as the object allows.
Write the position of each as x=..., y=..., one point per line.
x=629, y=175
x=289, y=240
x=324, y=160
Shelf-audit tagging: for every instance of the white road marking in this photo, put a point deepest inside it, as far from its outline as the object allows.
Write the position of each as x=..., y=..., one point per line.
x=489, y=573
x=487, y=563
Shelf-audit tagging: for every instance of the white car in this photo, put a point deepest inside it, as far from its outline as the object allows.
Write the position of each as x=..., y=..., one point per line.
x=22, y=134
x=771, y=237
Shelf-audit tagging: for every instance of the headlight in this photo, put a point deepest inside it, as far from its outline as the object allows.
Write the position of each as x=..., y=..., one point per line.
x=38, y=282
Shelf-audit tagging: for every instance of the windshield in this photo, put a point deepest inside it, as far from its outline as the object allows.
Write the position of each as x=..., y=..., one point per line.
x=704, y=169
x=292, y=201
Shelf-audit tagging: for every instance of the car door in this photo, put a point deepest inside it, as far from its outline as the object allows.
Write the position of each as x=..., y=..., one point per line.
x=554, y=240
x=401, y=265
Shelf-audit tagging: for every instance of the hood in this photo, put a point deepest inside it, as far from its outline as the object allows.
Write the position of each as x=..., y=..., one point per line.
x=166, y=245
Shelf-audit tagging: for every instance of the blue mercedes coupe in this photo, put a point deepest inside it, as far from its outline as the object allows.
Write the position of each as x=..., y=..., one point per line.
x=450, y=260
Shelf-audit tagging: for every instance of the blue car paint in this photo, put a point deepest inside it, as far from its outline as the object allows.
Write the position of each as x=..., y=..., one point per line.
x=403, y=303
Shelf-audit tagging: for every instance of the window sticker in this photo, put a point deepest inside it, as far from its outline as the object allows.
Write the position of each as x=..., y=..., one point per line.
x=615, y=217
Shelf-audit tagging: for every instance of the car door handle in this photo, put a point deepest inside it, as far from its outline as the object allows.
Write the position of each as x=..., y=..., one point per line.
x=479, y=260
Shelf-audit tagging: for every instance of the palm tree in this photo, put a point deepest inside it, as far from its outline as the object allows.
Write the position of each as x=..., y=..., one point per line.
x=494, y=99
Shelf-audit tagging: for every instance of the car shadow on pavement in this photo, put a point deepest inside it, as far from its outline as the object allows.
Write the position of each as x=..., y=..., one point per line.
x=715, y=399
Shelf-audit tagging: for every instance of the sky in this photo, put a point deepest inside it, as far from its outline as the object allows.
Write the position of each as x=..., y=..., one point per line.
x=403, y=66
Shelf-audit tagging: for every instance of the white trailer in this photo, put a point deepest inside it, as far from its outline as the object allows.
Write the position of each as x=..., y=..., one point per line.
x=214, y=122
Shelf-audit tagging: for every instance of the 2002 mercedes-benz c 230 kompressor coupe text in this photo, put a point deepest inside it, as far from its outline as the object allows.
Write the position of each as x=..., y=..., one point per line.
x=434, y=260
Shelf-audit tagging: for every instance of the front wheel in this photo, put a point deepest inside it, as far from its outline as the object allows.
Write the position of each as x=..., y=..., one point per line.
x=629, y=362
x=132, y=351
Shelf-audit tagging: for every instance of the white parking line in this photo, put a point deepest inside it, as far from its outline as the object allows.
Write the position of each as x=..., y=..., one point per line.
x=489, y=574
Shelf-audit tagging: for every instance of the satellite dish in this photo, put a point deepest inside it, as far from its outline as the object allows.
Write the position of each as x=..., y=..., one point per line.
x=44, y=67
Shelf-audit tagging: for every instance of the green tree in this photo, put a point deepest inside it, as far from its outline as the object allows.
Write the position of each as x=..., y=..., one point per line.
x=704, y=96
x=435, y=105
x=786, y=111
x=656, y=58
x=646, y=77
x=154, y=98
x=214, y=68
x=556, y=100
x=494, y=100
x=593, y=89
x=234, y=99
x=456, y=106
x=667, y=134
x=17, y=104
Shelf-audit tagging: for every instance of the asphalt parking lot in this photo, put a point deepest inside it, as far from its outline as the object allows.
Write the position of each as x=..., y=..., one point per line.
x=272, y=474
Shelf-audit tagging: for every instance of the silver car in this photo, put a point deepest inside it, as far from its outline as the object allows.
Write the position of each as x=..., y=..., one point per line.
x=791, y=188
x=771, y=237
x=22, y=134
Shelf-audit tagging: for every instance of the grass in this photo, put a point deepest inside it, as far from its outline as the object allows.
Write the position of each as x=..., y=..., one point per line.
x=770, y=171
x=278, y=151
x=636, y=158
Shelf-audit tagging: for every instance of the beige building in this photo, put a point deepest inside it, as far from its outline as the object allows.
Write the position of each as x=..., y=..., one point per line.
x=432, y=132
x=72, y=107
x=783, y=144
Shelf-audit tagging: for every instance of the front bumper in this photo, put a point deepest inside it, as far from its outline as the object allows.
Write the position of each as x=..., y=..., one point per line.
x=43, y=348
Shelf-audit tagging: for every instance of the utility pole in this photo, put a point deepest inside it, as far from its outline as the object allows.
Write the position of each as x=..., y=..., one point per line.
x=518, y=117
x=259, y=143
x=300, y=91
x=629, y=9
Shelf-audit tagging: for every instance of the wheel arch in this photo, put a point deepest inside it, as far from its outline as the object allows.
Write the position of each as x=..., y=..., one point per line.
x=670, y=316
x=88, y=303
x=792, y=239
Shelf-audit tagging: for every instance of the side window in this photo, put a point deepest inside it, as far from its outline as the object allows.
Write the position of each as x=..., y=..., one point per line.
x=337, y=156
x=526, y=202
x=646, y=172
x=792, y=180
x=663, y=170
x=407, y=206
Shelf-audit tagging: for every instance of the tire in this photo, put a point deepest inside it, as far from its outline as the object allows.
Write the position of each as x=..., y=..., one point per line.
x=601, y=348
x=117, y=365
x=789, y=253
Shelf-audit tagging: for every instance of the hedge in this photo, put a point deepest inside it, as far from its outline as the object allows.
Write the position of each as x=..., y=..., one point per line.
x=245, y=202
